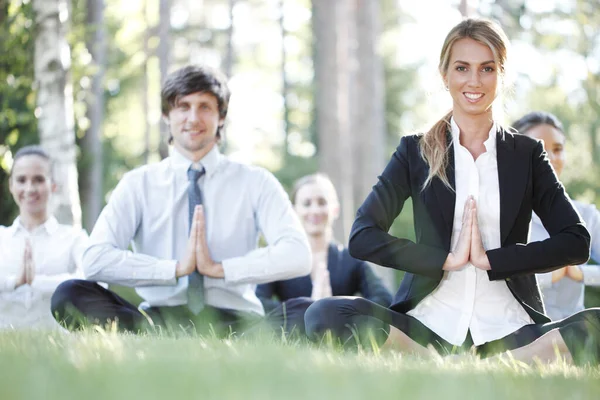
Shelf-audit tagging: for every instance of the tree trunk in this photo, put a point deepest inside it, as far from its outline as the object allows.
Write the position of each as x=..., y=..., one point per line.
x=284, y=82
x=333, y=60
x=228, y=64
x=55, y=103
x=368, y=126
x=91, y=145
x=163, y=60
x=463, y=7
x=369, y=116
x=145, y=91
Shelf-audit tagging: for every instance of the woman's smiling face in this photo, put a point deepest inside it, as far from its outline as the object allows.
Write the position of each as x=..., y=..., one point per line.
x=31, y=184
x=472, y=78
x=316, y=207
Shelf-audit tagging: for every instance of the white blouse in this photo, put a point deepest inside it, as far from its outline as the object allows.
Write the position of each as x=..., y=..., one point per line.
x=56, y=250
x=466, y=300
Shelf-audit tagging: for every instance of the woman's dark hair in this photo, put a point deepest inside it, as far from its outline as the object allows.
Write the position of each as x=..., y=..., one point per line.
x=535, y=118
x=33, y=150
x=194, y=79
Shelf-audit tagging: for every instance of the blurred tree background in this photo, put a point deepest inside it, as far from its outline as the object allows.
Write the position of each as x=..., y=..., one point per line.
x=317, y=84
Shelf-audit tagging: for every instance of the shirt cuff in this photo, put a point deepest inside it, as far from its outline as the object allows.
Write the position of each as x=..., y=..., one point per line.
x=236, y=270
x=230, y=270
x=162, y=271
x=591, y=274
x=9, y=283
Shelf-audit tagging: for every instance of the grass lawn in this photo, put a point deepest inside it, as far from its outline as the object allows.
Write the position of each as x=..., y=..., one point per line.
x=99, y=365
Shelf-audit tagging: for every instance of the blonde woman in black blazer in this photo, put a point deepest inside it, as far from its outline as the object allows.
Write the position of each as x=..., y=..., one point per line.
x=469, y=278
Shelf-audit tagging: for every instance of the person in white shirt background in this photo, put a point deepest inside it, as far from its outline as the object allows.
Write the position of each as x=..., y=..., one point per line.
x=562, y=289
x=36, y=252
x=470, y=276
x=193, y=221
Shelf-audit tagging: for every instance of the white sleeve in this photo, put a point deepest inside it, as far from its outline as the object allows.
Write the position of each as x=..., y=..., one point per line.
x=8, y=281
x=48, y=283
x=591, y=217
x=287, y=254
x=108, y=259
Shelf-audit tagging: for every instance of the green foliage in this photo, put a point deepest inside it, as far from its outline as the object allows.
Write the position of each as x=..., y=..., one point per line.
x=123, y=76
x=18, y=125
x=568, y=31
x=294, y=168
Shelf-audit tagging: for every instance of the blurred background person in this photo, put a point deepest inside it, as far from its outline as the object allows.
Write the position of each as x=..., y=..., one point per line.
x=36, y=252
x=334, y=272
x=563, y=289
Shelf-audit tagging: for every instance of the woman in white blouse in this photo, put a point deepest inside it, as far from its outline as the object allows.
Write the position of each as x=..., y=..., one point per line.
x=563, y=289
x=36, y=252
x=469, y=279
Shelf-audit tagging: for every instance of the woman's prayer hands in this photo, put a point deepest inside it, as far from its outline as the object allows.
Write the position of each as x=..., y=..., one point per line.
x=28, y=267
x=320, y=277
x=470, y=246
x=478, y=256
x=571, y=271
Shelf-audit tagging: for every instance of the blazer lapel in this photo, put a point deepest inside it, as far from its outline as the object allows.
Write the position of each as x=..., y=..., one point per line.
x=447, y=197
x=513, y=172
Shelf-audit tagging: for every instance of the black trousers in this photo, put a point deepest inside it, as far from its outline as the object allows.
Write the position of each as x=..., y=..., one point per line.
x=288, y=317
x=356, y=321
x=78, y=303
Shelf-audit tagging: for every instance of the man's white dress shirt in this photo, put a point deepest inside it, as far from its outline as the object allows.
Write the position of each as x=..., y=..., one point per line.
x=149, y=210
x=466, y=299
x=56, y=251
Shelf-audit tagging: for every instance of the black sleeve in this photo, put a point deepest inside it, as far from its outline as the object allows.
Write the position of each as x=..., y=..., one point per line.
x=266, y=293
x=369, y=238
x=569, y=241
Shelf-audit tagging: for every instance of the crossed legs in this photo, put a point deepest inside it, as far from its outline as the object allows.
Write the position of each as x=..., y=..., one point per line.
x=80, y=303
x=356, y=321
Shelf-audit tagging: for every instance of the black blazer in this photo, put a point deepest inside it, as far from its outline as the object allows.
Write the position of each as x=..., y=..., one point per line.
x=348, y=276
x=527, y=182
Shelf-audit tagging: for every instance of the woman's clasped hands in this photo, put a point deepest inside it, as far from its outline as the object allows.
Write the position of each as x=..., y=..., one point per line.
x=27, y=273
x=470, y=246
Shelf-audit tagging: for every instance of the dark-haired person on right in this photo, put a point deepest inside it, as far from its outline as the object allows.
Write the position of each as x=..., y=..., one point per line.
x=563, y=289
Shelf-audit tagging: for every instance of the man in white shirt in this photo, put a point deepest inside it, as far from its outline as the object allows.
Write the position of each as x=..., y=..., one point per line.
x=193, y=221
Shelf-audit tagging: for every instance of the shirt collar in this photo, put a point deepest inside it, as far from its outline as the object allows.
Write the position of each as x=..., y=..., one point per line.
x=49, y=227
x=490, y=143
x=209, y=162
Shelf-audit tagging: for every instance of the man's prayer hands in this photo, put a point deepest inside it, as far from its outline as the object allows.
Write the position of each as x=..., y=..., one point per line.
x=197, y=256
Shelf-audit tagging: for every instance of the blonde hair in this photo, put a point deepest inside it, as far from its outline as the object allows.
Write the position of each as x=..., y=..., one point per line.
x=433, y=145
